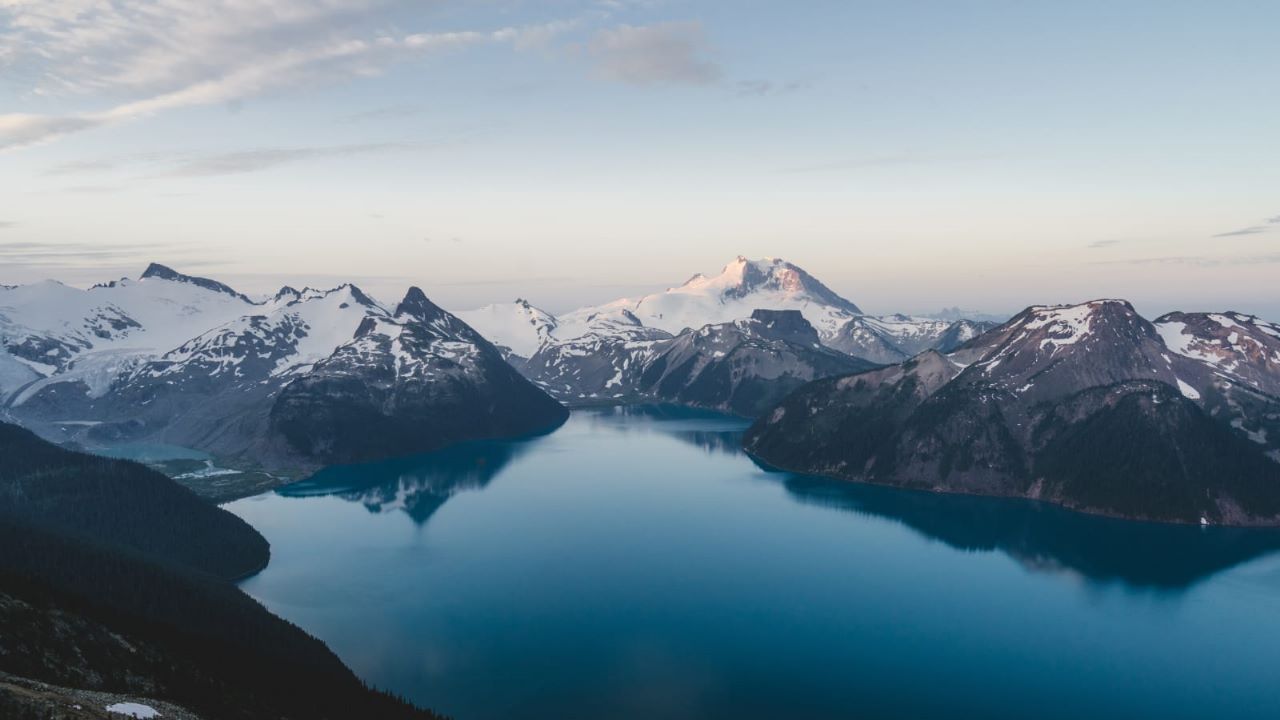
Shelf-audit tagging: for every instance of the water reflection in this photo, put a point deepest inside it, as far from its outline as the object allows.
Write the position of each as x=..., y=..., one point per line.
x=1041, y=537
x=1045, y=538
x=417, y=485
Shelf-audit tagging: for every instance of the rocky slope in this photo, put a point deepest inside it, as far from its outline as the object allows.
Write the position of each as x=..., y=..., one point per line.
x=741, y=367
x=1242, y=356
x=412, y=381
x=1085, y=406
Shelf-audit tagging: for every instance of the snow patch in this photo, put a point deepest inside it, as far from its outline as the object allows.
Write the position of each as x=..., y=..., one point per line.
x=133, y=710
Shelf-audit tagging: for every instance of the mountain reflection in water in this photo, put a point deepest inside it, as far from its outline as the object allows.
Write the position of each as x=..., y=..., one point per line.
x=1041, y=537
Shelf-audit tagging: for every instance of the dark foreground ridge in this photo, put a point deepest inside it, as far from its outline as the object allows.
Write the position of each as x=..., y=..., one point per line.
x=88, y=604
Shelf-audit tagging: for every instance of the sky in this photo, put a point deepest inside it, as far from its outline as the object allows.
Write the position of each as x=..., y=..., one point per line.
x=912, y=155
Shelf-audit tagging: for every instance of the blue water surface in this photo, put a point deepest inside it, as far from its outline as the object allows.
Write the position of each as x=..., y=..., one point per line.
x=635, y=564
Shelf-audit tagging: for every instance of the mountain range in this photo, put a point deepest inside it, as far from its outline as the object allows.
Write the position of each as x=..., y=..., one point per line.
x=307, y=378
x=310, y=377
x=1089, y=406
x=601, y=353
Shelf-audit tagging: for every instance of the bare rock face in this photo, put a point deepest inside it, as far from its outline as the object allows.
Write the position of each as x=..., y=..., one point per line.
x=742, y=367
x=1085, y=406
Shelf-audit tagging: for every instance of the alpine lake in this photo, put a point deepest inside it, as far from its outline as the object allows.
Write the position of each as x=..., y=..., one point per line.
x=635, y=563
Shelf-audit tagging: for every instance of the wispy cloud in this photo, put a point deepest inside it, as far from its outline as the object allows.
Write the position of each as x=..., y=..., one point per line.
x=664, y=53
x=887, y=160
x=1104, y=243
x=1252, y=230
x=266, y=158
x=765, y=88
x=170, y=54
x=190, y=165
x=7, y=224
x=1199, y=260
x=72, y=254
x=394, y=111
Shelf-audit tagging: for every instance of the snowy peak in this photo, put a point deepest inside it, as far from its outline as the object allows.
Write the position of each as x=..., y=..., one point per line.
x=1046, y=352
x=743, y=277
x=520, y=327
x=164, y=272
x=743, y=286
x=416, y=304
x=1241, y=347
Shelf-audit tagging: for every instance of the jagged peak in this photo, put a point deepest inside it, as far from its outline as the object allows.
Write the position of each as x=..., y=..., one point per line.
x=416, y=304
x=164, y=272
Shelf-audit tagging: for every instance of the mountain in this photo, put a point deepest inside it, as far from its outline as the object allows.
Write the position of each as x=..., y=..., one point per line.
x=215, y=391
x=408, y=382
x=1242, y=356
x=124, y=502
x=598, y=354
x=88, y=337
x=186, y=361
x=742, y=287
x=741, y=367
x=1083, y=405
x=894, y=338
x=116, y=580
x=517, y=328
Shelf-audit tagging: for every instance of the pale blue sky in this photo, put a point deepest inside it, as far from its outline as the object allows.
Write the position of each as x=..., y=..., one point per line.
x=911, y=154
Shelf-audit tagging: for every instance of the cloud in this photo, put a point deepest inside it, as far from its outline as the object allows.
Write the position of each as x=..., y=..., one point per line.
x=80, y=254
x=1199, y=261
x=665, y=53
x=1253, y=230
x=393, y=111
x=1274, y=220
x=764, y=88
x=7, y=224
x=1103, y=243
x=263, y=159
x=167, y=54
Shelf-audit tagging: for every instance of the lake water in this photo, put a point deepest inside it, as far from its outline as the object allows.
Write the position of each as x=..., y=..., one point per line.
x=635, y=564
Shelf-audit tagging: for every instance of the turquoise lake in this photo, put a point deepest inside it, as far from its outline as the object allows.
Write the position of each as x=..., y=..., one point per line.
x=635, y=564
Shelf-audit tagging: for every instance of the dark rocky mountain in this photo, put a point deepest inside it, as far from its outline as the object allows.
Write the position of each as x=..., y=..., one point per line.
x=741, y=367
x=1083, y=406
x=1242, y=356
x=409, y=382
x=115, y=580
x=123, y=502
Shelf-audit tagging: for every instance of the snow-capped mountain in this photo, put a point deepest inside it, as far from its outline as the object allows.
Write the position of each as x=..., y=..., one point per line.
x=742, y=287
x=189, y=361
x=410, y=381
x=597, y=353
x=64, y=334
x=1241, y=354
x=595, y=356
x=1083, y=405
x=517, y=328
